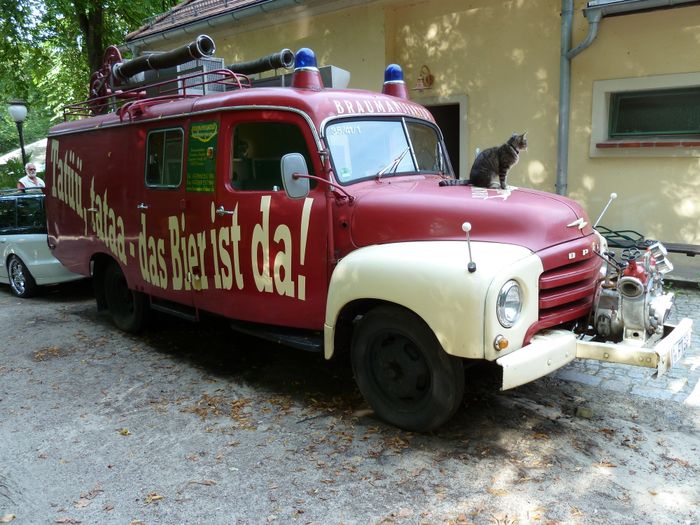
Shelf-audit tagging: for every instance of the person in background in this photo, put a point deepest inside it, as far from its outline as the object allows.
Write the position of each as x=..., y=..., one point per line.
x=30, y=180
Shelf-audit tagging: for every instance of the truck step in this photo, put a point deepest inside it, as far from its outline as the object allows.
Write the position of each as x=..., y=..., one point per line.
x=178, y=310
x=307, y=340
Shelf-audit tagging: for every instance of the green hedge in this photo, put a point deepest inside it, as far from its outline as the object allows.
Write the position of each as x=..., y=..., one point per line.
x=11, y=172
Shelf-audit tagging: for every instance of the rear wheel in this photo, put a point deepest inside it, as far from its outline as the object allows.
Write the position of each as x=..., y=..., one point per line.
x=21, y=281
x=129, y=309
x=403, y=372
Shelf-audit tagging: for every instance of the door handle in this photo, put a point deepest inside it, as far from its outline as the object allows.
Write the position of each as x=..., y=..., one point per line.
x=220, y=211
x=142, y=206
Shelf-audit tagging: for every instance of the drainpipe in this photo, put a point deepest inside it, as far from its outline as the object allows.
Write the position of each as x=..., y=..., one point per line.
x=567, y=54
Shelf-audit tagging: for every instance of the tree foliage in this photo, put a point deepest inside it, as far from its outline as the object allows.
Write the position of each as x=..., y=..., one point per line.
x=49, y=50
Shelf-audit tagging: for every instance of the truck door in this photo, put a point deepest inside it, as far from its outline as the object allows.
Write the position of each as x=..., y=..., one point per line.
x=268, y=252
x=162, y=213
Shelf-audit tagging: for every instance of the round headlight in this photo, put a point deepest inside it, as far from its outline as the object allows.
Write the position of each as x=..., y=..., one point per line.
x=509, y=304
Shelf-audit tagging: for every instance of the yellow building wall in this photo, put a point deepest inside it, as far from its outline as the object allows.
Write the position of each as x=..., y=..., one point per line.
x=352, y=39
x=658, y=196
x=504, y=57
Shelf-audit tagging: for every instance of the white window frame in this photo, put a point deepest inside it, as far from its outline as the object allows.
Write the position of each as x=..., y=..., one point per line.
x=600, y=118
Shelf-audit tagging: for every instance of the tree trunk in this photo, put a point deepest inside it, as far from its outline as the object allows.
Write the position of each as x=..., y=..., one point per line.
x=91, y=21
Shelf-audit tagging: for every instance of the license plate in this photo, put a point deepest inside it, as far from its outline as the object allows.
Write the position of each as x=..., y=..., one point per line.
x=679, y=348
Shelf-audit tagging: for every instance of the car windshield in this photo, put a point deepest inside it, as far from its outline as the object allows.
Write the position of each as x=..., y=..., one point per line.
x=364, y=149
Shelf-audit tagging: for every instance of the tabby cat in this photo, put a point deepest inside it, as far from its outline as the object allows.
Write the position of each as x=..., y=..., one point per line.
x=491, y=166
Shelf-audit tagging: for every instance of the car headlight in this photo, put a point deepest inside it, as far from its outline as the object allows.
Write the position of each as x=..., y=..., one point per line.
x=509, y=304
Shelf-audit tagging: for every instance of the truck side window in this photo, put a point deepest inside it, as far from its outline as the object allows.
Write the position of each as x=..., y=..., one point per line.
x=164, y=158
x=258, y=148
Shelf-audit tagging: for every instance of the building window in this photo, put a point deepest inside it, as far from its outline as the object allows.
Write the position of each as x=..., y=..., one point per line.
x=653, y=116
x=164, y=158
x=663, y=112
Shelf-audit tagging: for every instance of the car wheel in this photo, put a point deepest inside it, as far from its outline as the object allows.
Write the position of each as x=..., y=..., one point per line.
x=129, y=309
x=403, y=372
x=21, y=281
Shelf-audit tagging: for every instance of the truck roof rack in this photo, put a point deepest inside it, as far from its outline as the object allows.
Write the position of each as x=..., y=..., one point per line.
x=130, y=101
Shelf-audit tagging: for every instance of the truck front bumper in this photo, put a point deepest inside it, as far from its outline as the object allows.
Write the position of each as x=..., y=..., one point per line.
x=553, y=349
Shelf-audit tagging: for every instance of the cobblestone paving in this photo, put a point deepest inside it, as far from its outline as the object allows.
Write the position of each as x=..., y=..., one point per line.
x=680, y=384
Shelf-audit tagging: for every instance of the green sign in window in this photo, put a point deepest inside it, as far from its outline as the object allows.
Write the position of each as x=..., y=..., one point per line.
x=201, y=156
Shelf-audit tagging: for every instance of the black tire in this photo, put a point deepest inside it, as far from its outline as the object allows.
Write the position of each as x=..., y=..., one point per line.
x=403, y=372
x=22, y=283
x=129, y=309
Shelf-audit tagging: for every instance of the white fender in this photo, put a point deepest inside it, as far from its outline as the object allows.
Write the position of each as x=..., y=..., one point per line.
x=431, y=279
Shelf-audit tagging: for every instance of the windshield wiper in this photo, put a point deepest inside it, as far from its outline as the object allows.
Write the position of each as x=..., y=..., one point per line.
x=394, y=164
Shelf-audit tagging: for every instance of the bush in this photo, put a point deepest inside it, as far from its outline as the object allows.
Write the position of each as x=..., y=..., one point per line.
x=12, y=171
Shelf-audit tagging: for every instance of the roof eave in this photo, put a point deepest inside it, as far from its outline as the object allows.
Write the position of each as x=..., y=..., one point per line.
x=195, y=27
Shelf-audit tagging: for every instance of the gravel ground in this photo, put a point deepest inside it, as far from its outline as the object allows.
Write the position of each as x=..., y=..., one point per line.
x=194, y=423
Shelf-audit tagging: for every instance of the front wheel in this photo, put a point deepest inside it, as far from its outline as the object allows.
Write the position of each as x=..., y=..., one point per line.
x=403, y=372
x=21, y=281
x=129, y=309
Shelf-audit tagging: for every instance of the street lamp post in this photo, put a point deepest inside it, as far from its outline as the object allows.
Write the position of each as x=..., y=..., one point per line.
x=18, y=112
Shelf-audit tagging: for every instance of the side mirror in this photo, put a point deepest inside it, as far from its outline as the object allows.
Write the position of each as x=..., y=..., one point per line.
x=296, y=188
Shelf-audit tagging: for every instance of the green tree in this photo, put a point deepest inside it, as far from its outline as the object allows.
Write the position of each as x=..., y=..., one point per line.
x=49, y=50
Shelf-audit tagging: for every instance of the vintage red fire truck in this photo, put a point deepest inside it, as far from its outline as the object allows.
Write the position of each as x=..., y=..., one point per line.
x=320, y=217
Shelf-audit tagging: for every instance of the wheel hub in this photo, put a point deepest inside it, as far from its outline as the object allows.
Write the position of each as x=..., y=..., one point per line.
x=401, y=372
x=17, y=276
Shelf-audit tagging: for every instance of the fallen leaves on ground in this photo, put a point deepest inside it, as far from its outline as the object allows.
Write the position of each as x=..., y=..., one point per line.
x=124, y=431
x=209, y=405
x=92, y=494
x=207, y=482
x=681, y=462
x=503, y=519
x=605, y=464
x=49, y=352
x=610, y=432
x=152, y=497
x=87, y=497
x=396, y=443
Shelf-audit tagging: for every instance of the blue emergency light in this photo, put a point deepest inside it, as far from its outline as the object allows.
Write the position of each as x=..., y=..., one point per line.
x=393, y=73
x=305, y=59
x=393, y=82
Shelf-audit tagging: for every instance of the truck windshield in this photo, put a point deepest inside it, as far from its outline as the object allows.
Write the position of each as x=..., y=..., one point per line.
x=364, y=149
